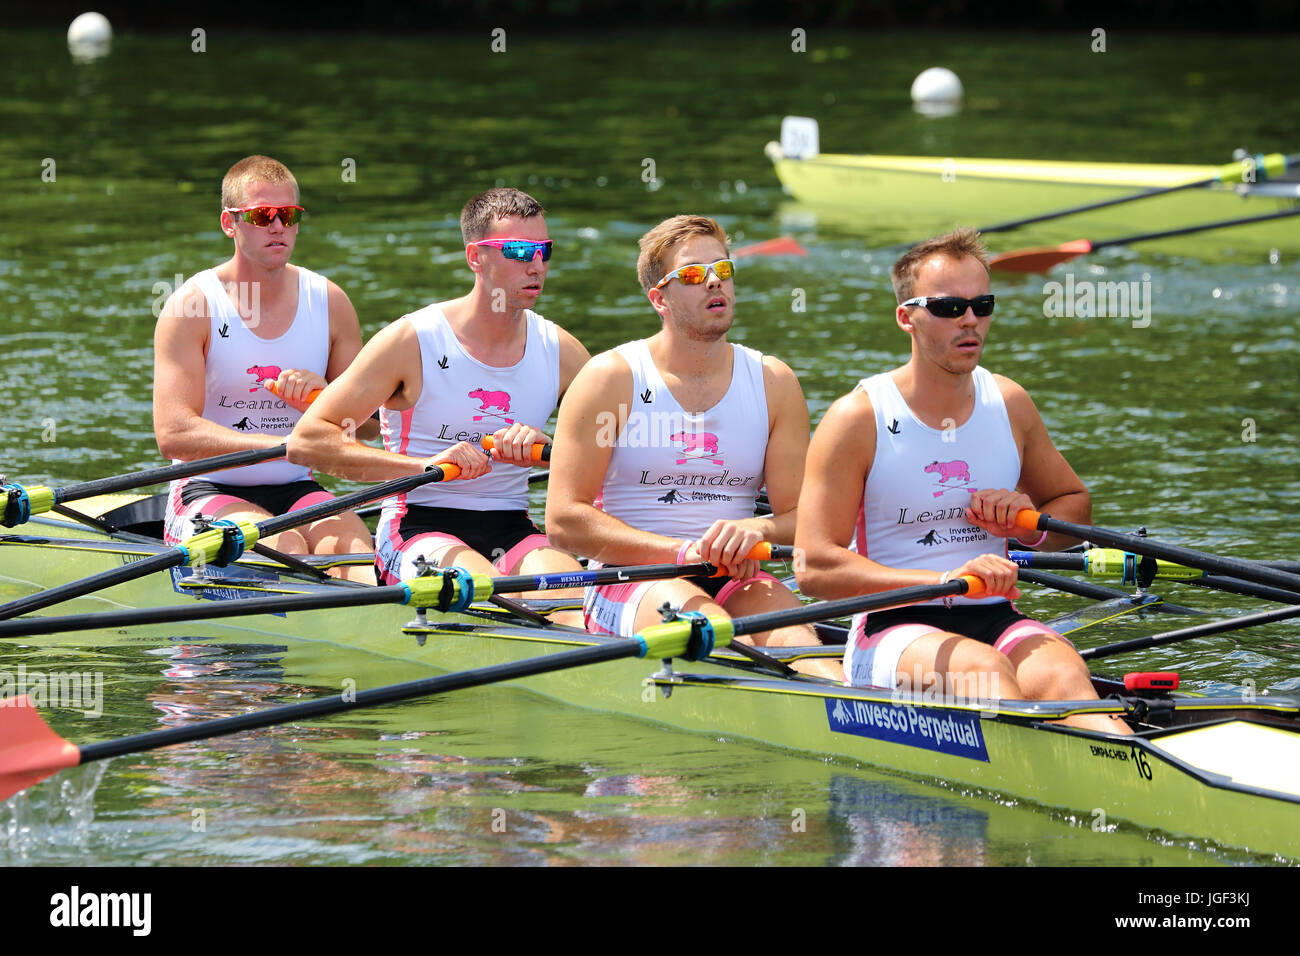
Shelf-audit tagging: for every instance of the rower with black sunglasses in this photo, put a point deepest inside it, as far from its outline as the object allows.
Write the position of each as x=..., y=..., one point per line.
x=444, y=378
x=924, y=469
x=226, y=336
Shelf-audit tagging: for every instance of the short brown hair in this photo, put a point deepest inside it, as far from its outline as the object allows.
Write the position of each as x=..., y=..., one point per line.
x=657, y=244
x=500, y=203
x=250, y=169
x=958, y=244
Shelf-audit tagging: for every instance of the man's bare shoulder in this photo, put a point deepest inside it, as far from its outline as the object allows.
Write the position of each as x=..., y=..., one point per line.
x=1020, y=407
x=569, y=343
x=187, y=302
x=334, y=294
x=607, y=366
x=397, y=334
x=777, y=372
x=853, y=410
x=573, y=356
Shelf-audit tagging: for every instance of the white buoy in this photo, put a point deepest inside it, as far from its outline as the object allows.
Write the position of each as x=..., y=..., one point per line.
x=90, y=36
x=936, y=84
x=937, y=92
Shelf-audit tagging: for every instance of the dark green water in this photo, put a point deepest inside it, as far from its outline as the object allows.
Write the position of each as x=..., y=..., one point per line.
x=1152, y=418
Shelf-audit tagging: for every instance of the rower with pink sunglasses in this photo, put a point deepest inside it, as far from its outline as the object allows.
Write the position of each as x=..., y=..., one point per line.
x=226, y=333
x=445, y=378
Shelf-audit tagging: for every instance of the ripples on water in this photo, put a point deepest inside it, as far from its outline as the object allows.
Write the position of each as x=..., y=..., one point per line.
x=1152, y=418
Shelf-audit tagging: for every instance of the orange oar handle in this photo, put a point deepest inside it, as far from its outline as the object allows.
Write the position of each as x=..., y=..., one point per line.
x=269, y=385
x=763, y=551
x=974, y=585
x=450, y=470
x=1027, y=518
x=767, y=551
x=540, y=452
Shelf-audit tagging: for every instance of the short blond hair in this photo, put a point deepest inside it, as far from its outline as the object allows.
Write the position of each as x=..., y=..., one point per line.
x=658, y=244
x=959, y=244
x=254, y=169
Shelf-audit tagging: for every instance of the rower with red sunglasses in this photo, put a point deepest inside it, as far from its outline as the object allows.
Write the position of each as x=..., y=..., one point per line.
x=662, y=445
x=444, y=378
x=222, y=337
x=924, y=468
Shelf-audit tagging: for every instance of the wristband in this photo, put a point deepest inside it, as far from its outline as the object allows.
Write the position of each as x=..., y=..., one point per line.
x=1033, y=544
x=681, y=554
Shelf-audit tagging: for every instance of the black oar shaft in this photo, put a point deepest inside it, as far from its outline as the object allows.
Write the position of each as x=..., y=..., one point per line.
x=154, y=476
x=1219, y=582
x=1118, y=200
x=327, y=509
x=615, y=574
x=340, y=596
x=1089, y=207
x=1187, y=633
x=1188, y=230
x=204, y=610
x=1079, y=561
x=827, y=610
x=321, y=707
x=1234, y=567
x=75, y=589
x=1070, y=585
x=176, y=557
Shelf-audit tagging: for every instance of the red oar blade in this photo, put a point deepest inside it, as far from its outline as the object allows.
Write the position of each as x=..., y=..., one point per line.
x=29, y=750
x=1040, y=260
x=781, y=246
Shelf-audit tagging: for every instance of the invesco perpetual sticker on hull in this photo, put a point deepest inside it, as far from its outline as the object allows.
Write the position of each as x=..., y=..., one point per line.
x=931, y=728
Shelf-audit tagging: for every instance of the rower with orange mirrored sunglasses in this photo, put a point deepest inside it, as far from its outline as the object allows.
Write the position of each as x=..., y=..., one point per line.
x=697, y=272
x=263, y=216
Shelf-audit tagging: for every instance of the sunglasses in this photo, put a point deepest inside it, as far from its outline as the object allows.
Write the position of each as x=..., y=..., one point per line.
x=696, y=272
x=521, y=250
x=953, y=306
x=263, y=216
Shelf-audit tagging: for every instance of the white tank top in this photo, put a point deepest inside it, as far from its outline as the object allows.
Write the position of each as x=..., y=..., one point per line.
x=238, y=361
x=675, y=473
x=913, y=507
x=462, y=399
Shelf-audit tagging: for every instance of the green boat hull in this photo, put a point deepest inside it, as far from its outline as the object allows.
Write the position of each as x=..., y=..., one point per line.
x=1008, y=748
x=896, y=204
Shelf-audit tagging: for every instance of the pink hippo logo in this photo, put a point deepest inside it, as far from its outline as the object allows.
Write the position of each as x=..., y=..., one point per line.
x=957, y=470
x=489, y=400
x=261, y=373
x=949, y=469
x=697, y=446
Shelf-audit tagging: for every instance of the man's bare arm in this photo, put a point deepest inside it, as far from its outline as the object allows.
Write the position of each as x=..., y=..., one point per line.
x=513, y=444
x=325, y=437
x=179, y=390
x=573, y=356
x=591, y=416
x=1047, y=481
x=727, y=543
x=345, y=345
